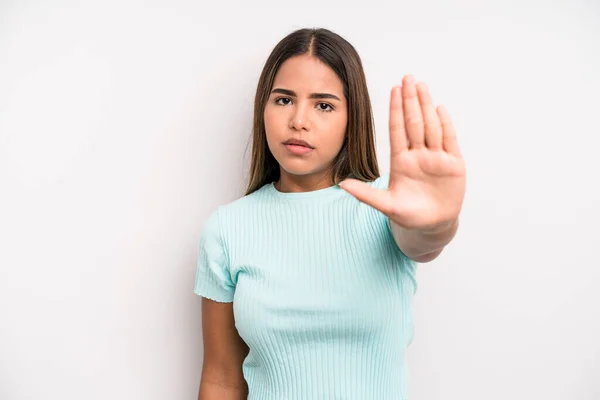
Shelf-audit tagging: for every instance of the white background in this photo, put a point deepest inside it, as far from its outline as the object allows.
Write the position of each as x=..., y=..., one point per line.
x=123, y=124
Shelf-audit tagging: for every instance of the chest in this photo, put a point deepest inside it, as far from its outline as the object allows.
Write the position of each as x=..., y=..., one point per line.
x=335, y=285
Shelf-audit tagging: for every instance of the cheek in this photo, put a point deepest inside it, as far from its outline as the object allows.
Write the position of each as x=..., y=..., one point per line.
x=272, y=122
x=272, y=130
x=337, y=131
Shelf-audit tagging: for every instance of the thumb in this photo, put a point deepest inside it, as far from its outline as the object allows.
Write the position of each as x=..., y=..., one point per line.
x=376, y=198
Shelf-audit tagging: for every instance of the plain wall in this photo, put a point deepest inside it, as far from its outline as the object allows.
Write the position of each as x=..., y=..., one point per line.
x=123, y=124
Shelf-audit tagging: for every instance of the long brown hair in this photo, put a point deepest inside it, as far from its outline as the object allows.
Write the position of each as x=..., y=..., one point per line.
x=357, y=157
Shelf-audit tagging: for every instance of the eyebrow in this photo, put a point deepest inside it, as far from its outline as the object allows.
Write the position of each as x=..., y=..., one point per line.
x=312, y=95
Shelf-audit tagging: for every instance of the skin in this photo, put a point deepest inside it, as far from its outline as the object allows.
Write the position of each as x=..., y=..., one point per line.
x=224, y=354
x=316, y=112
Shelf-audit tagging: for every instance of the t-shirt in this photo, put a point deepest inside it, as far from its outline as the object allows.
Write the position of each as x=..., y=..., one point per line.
x=321, y=293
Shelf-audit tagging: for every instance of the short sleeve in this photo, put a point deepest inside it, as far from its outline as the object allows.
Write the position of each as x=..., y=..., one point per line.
x=213, y=279
x=382, y=182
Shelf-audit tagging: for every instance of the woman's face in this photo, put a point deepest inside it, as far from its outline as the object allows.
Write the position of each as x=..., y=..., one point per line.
x=306, y=103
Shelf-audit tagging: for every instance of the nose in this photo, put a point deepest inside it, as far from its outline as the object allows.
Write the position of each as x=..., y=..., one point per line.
x=299, y=119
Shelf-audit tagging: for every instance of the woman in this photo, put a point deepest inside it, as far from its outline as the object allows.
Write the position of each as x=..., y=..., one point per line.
x=307, y=280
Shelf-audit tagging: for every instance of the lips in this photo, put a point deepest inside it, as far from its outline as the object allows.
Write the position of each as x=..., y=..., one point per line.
x=298, y=142
x=298, y=147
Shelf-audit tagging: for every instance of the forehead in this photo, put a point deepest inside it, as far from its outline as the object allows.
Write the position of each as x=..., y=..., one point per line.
x=307, y=73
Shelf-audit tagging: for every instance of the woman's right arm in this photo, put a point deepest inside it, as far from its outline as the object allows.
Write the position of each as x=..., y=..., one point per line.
x=224, y=353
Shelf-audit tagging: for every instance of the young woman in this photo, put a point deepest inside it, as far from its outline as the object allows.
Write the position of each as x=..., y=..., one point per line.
x=307, y=280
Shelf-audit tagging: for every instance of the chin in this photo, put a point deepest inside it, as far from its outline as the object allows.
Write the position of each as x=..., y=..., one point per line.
x=298, y=171
x=302, y=170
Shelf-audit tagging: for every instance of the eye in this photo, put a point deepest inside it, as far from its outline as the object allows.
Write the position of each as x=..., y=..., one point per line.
x=286, y=102
x=325, y=107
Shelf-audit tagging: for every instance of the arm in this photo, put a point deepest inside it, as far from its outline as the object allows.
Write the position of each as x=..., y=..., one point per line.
x=424, y=245
x=224, y=353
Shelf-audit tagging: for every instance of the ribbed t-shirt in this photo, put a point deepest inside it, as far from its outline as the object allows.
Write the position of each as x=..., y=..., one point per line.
x=321, y=293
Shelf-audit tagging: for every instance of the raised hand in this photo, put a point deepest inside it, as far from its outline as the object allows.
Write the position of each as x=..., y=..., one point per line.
x=427, y=172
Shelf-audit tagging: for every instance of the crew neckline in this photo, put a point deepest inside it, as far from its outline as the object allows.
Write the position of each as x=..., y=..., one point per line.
x=302, y=195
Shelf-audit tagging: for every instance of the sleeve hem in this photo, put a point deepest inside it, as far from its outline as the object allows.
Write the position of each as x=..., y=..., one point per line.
x=215, y=296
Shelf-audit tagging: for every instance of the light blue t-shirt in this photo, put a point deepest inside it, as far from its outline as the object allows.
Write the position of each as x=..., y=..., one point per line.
x=321, y=293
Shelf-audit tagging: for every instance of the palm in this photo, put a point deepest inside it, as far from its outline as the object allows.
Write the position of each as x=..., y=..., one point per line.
x=427, y=172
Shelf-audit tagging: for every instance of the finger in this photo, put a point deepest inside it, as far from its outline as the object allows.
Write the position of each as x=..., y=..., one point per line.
x=433, y=126
x=398, y=142
x=413, y=120
x=376, y=198
x=449, y=134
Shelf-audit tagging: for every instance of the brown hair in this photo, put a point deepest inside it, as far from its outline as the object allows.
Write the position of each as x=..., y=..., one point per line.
x=357, y=157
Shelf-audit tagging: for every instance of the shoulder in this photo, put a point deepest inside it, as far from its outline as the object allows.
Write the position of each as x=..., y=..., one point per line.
x=237, y=213
x=244, y=203
x=227, y=218
x=382, y=182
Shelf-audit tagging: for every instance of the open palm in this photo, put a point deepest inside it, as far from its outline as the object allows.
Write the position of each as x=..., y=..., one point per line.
x=427, y=171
